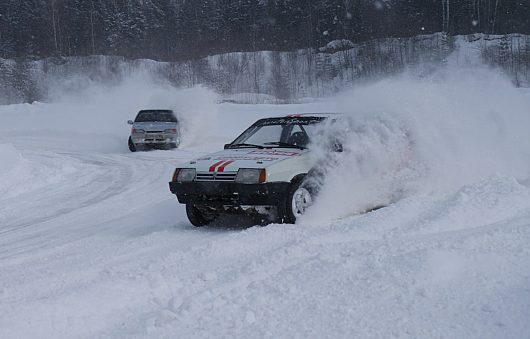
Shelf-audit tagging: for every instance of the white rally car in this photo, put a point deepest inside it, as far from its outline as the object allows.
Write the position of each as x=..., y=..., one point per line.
x=263, y=169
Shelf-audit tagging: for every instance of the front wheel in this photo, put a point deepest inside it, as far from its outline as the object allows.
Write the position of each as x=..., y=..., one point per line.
x=299, y=198
x=196, y=217
x=132, y=147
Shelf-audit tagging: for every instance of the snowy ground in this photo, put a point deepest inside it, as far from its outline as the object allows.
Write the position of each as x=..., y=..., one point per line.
x=92, y=244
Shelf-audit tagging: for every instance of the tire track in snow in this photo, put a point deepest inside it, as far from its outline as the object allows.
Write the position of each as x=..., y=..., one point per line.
x=98, y=182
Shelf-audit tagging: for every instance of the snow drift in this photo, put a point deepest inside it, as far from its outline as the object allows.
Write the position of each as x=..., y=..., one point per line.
x=10, y=158
x=13, y=168
x=411, y=135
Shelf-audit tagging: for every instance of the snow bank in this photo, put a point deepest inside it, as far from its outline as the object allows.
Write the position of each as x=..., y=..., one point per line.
x=15, y=171
x=413, y=135
x=11, y=158
x=485, y=202
x=20, y=174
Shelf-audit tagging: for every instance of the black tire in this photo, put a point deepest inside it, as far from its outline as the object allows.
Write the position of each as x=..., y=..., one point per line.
x=132, y=148
x=196, y=217
x=287, y=208
x=169, y=146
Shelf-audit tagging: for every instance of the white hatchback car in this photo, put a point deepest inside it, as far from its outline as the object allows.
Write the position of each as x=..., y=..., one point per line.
x=263, y=169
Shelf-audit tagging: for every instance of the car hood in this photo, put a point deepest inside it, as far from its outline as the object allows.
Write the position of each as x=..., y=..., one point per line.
x=154, y=125
x=234, y=159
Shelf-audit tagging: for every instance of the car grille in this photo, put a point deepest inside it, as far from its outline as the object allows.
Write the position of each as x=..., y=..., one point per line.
x=216, y=176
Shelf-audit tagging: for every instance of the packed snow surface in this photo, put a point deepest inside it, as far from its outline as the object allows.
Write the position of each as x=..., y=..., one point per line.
x=92, y=243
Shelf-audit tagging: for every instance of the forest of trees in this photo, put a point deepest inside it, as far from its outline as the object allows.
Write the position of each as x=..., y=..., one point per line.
x=174, y=30
x=272, y=76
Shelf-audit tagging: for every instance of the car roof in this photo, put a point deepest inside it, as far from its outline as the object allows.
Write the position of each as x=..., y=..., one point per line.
x=316, y=114
x=156, y=110
x=297, y=118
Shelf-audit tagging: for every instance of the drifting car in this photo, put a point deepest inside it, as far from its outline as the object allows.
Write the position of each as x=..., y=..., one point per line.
x=154, y=129
x=263, y=169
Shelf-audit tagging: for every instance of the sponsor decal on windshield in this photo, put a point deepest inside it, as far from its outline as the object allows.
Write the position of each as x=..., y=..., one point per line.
x=290, y=121
x=275, y=152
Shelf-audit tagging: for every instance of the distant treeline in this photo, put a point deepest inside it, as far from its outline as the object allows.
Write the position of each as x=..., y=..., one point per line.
x=273, y=76
x=186, y=29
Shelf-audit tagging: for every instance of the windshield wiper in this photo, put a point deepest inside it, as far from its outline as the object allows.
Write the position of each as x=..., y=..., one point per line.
x=284, y=145
x=246, y=145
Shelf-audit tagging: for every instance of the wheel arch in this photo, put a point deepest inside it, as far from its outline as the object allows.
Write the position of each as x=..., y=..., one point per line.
x=298, y=178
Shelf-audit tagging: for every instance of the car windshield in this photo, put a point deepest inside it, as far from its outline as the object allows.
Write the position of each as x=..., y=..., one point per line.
x=158, y=116
x=278, y=132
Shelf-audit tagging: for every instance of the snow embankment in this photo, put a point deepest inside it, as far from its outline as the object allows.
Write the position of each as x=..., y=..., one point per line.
x=19, y=175
x=11, y=159
x=13, y=168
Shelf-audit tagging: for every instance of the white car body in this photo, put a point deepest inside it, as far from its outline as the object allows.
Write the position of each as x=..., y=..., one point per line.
x=265, y=166
x=279, y=164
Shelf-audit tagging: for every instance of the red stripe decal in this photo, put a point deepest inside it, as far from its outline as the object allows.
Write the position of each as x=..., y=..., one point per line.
x=212, y=168
x=222, y=167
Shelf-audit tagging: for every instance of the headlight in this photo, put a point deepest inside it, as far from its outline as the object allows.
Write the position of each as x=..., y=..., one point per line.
x=251, y=176
x=171, y=131
x=137, y=131
x=184, y=175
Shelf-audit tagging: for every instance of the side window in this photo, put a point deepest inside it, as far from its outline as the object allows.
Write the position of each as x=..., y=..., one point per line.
x=296, y=129
x=311, y=130
x=298, y=136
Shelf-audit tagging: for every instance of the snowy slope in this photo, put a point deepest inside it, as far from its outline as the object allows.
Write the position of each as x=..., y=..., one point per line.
x=92, y=244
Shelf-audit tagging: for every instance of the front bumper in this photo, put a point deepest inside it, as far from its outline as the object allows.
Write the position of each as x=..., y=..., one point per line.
x=154, y=139
x=230, y=193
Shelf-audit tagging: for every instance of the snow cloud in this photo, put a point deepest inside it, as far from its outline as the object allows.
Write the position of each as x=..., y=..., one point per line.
x=424, y=135
x=95, y=113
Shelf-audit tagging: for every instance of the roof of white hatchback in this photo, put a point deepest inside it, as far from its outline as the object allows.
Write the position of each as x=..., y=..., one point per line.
x=316, y=114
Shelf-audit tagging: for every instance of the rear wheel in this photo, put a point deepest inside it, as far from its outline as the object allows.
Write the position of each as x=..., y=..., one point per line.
x=196, y=217
x=299, y=198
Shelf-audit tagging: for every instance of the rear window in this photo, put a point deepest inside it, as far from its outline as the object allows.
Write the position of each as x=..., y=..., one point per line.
x=161, y=116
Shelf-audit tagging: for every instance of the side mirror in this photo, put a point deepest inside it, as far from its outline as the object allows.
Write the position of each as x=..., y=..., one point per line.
x=227, y=146
x=130, y=122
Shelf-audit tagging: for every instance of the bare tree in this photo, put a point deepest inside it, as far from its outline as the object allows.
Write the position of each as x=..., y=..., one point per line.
x=494, y=16
x=54, y=24
x=445, y=15
x=92, y=39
